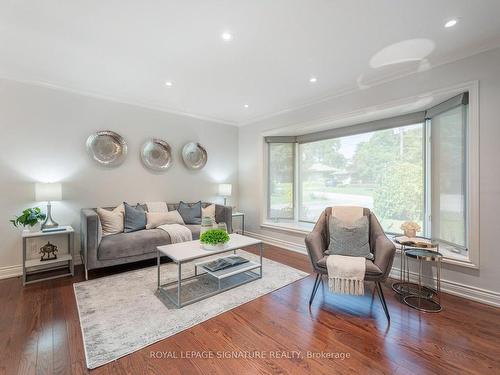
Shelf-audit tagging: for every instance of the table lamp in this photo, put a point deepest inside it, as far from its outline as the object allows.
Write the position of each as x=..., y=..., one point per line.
x=48, y=193
x=225, y=191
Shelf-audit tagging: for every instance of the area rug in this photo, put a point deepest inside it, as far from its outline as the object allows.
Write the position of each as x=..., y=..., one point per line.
x=121, y=314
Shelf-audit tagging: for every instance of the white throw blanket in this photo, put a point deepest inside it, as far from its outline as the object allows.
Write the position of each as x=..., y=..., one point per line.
x=178, y=233
x=346, y=274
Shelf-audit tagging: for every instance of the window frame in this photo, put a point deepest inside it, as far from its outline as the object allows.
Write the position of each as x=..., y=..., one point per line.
x=472, y=159
x=298, y=219
x=294, y=180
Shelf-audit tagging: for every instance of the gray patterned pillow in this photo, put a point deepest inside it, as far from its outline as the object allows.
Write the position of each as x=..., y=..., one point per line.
x=351, y=240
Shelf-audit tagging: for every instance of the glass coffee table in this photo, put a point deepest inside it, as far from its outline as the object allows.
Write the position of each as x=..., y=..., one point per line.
x=421, y=299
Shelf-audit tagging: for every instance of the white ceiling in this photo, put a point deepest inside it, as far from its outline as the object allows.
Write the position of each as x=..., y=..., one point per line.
x=126, y=50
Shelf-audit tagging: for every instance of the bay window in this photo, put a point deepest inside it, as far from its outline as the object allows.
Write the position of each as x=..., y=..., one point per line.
x=407, y=168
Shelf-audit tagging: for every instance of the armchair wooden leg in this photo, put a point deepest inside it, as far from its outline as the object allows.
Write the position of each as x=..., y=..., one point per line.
x=315, y=288
x=382, y=300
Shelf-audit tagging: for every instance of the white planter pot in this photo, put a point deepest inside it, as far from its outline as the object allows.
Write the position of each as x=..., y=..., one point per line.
x=220, y=246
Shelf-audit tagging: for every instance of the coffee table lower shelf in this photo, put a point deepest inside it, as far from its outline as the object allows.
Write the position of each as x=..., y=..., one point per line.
x=208, y=285
x=205, y=283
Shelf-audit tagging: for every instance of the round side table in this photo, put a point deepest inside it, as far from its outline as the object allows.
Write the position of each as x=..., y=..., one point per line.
x=404, y=287
x=423, y=301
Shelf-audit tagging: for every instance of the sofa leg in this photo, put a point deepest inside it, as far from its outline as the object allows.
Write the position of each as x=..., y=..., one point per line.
x=382, y=300
x=86, y=272
x=315, y=288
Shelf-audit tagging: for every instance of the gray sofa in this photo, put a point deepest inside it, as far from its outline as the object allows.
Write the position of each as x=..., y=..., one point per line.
x=98, y=251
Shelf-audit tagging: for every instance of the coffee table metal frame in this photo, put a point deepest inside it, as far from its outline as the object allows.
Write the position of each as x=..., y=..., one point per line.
x=414, y=300
x=234, y=244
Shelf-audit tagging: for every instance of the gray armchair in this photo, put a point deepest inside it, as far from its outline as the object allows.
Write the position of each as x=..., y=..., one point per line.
x=380, y=246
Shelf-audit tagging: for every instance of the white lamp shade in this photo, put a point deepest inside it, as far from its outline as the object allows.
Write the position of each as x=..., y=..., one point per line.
x=225, y=190
x=48, y=192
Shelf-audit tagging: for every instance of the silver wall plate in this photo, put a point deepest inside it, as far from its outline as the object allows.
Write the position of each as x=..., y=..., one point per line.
x=156, y=155
x=194, y=155
x=107, y=148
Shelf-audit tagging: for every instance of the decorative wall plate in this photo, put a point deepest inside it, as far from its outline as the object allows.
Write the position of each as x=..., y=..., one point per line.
x=156, y=154
x=107, y=148
x=194, y=155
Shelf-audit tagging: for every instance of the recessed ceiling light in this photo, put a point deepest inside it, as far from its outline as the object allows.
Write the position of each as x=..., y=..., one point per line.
x=226, y=36
x=451, y=23
x=168, y=83
x=245, y=105
x=313, y=79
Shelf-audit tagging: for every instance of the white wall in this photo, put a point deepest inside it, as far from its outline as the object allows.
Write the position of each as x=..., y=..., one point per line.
x=42, y=138
x=484, y=67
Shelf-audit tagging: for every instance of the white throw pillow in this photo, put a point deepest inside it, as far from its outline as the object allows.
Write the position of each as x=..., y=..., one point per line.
x=157, y=207
x=208, y=211
x=155, y=219
x=111, y=221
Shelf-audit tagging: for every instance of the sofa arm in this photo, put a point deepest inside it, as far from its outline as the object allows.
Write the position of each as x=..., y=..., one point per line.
x=224, y=214
x=90, y=236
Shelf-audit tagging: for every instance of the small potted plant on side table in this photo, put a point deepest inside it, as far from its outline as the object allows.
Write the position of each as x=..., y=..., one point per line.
x=29, y=218
x=410, y=229
x=214, y=239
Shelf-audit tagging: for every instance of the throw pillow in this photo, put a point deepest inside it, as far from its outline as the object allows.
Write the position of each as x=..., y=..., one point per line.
x=191, y=213
x=208, y=211
x=156, y=207
x=349, y=239
x=111, y=221
x=135, y=218
x=155, y=219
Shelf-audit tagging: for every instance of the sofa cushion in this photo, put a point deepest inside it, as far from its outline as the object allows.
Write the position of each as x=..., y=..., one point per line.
x=124, y=245
x=208, y=211
x=191, y=213
x=195, y=230
x=155, y=219
x=111, y=220
x=135, y=218
x=371, y=268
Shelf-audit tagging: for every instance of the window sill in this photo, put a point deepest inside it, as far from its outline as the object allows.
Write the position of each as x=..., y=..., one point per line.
x=305, y=228
x=290, y=227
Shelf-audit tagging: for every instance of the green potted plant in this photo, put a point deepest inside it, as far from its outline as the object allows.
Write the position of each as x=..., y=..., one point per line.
x=214, y=239
x=29, y=218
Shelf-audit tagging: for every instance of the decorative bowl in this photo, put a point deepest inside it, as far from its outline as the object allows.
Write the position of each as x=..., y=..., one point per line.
x=107, y=148
x=194, y=155
x=156, y=155
x=209, y=247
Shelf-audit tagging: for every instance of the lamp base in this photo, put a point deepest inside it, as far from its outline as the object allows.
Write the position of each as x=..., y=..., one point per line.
x=49, y=222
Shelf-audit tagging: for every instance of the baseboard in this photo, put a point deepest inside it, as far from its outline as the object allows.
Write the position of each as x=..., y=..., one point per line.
x=17, y=270
x=287, y=245
x=10, y=271
x=487, y=297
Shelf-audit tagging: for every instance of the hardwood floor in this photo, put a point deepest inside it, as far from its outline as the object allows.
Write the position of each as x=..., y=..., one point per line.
x=40, y=333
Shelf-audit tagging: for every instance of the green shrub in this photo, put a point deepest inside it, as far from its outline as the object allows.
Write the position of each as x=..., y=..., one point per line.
x=399, y=194
x=214, y=237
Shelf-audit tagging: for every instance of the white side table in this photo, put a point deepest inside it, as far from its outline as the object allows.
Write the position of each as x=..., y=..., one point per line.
x=242, y=215
x=61, y=258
